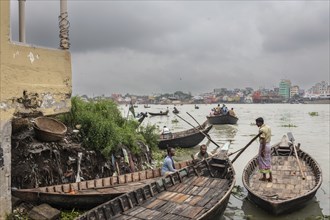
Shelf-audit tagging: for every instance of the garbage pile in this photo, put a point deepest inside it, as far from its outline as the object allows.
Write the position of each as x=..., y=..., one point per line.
x=36, y=163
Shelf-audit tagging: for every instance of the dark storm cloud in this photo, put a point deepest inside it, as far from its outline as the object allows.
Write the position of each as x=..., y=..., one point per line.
x=295, y=27
x=146, y=47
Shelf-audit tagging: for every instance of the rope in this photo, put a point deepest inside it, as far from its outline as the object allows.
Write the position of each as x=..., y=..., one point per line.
x=64, y=25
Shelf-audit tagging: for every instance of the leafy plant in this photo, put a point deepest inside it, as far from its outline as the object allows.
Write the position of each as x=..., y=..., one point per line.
x=313, y=113
x=289, y=126
x=70, y=215
x=103, y=128
x=175, y=120
x=150, y=135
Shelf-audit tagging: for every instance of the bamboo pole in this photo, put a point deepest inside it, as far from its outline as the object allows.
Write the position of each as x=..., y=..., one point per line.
x=244, y=148
x=296, y=154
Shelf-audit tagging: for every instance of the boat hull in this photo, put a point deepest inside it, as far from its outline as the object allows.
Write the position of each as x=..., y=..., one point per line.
x=90, y=193
x=158, y=114
x=191, y=139
x=283, y=207
x=222, y=119
x=66, y=201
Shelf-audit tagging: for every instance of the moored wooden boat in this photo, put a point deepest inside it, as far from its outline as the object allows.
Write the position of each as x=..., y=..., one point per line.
x=158, y=113
x=184, y=139
x=199, y=191
x=222, y=119
x=290, y=189
x=90, y=193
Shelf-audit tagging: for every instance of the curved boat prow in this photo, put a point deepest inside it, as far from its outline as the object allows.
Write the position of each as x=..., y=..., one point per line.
x=222, y=150
x=225, y=146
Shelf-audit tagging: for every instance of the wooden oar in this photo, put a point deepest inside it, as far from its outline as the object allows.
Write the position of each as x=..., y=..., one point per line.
x=291, y=138
x=194, y=119
x=235, y=152
x=207, y=136
x=244, y=148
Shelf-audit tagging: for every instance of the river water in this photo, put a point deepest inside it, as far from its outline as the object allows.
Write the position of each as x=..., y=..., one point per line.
x=312, y=132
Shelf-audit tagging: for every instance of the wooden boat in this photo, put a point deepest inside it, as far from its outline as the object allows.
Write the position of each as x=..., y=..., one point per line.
x=184, y=139
x=142, y=116
x=198, y=191
x=158, y=113
x=290, y=189
x=176, y=111
x=222, y=119
x=90, y=193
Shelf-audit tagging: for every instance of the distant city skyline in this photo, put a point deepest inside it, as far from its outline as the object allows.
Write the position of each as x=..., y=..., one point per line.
x=212, y=90
x=145, y=47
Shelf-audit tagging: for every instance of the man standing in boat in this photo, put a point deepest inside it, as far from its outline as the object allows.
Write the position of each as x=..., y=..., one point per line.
x=166, y=132
x=264, y=155
x=168, y=165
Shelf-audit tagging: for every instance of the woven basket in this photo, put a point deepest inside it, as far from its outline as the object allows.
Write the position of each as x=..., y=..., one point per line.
x=49, y=129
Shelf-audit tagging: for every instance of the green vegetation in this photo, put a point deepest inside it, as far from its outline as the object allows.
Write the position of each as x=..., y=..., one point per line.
x=15, y=215
x=103, y=128
x=289, y=126
x=150, y=135
x=313, y=113
x=70, y=215
x=175, y=120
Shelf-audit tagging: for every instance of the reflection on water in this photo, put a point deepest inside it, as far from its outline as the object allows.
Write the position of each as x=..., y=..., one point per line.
x=312, y=210
x=226, y=132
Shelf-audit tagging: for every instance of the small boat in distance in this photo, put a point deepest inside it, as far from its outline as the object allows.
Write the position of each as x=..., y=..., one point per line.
x=184, y=139
x=200, y=191
x=161, y=113
x=222, y=119
x=296, y=178
x=175, y=111
x=146, y=106
x=196, y=107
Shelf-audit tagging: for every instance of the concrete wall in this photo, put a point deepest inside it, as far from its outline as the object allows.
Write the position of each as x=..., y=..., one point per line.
x=32, y=79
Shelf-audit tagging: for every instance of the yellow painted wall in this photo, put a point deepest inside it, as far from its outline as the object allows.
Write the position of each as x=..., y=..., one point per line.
x=44, y=73
x=45, y=76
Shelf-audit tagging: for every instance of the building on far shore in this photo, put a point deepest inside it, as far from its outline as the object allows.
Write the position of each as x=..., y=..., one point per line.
x=284, y=88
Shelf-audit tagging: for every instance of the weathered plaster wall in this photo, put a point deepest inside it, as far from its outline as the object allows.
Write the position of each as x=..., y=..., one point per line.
x=31, y=79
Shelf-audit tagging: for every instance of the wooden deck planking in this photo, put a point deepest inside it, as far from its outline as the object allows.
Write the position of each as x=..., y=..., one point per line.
x=184, y=201
x=136, y=210
x=191, y=211
x=148, y=214
x=155, y=204
x=287, y=180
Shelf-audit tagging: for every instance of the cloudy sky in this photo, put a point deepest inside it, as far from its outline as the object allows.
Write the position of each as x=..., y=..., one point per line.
x=146, y=47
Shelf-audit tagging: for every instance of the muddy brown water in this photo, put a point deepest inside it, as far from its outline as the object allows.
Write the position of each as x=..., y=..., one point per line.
x=312, y=132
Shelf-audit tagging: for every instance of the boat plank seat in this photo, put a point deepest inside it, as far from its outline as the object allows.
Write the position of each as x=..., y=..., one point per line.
x=218, y=165
x=284, y=147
